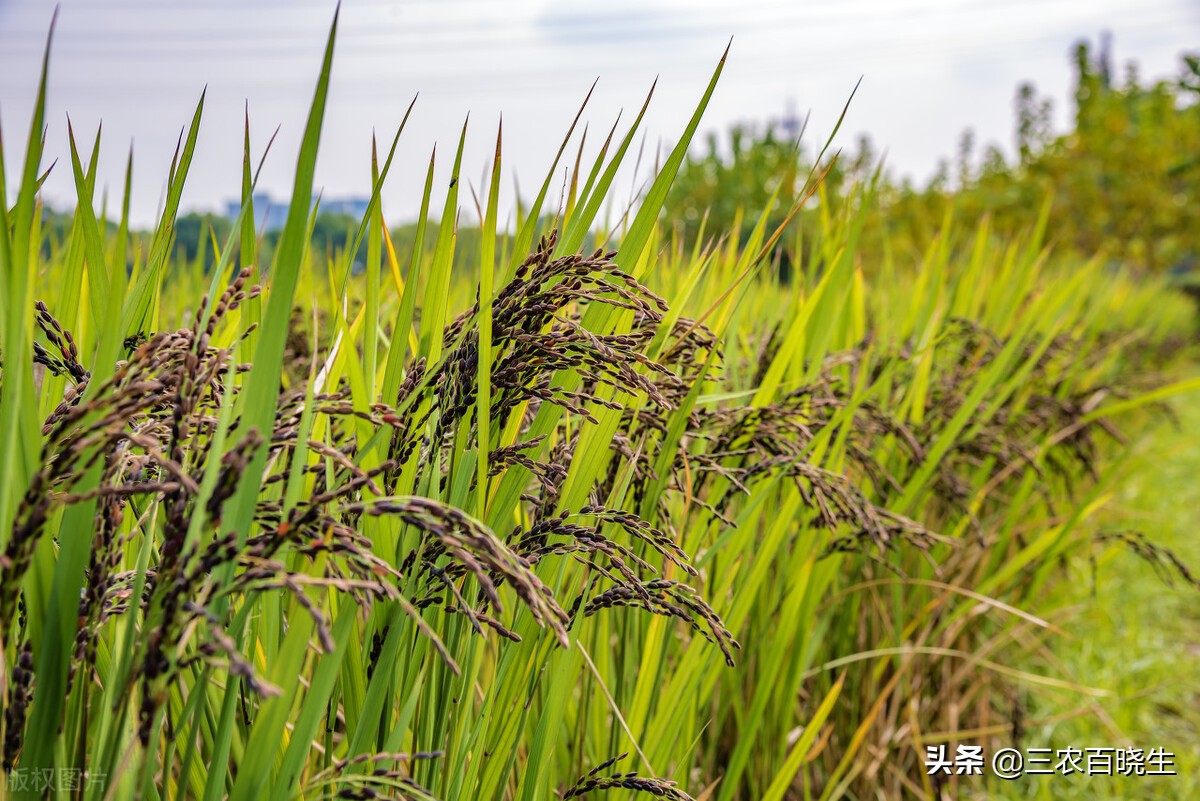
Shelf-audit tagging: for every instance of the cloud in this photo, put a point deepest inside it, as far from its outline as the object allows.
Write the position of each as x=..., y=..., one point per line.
x=607, y=25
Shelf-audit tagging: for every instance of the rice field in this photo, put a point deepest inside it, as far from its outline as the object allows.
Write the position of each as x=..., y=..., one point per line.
x=605, y=514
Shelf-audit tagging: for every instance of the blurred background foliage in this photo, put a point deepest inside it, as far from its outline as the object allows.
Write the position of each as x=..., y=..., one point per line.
x=1122, y=182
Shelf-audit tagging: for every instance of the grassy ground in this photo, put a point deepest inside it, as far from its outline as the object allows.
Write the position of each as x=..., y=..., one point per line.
x=1135, y=635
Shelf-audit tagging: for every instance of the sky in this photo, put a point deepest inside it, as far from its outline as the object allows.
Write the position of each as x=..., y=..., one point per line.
x=929, y=69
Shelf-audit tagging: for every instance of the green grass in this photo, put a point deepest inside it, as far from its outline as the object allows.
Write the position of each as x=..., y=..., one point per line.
x=1131, y=632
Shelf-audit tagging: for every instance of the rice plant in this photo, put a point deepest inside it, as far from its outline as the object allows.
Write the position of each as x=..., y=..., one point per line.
x=604, y=516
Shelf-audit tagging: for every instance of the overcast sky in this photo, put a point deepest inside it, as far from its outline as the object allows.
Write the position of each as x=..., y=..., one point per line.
x=930, y=69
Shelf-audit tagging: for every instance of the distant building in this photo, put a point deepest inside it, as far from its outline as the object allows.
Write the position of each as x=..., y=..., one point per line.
x=271, y=214
x=791, y=124
x=350, y=206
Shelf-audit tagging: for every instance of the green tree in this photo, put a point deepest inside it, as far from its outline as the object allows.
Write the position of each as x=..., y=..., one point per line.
x=1124, y=180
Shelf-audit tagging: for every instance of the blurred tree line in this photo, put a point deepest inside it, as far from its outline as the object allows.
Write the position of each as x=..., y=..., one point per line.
x=198, y=235
x=1125, y=180
x=332, y=234
x=194, y=234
